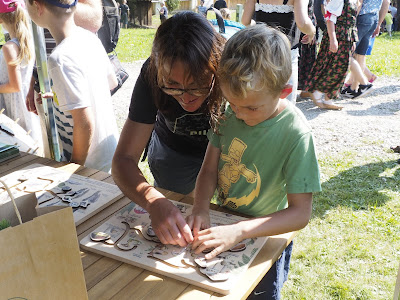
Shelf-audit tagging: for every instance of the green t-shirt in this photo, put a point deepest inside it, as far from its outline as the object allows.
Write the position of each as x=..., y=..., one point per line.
x=259, y=165
x=389, y=19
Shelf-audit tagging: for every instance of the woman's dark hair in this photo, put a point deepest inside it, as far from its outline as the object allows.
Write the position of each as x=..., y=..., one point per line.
x=190, y=38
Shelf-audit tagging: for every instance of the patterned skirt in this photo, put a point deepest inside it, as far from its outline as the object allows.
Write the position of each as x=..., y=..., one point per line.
x=329, y=70
x=306, y=60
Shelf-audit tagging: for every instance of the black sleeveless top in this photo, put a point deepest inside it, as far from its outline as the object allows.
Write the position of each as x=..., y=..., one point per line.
x=280, y=17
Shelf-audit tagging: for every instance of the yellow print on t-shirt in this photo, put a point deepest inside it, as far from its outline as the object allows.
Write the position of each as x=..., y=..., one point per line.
x=231, y=172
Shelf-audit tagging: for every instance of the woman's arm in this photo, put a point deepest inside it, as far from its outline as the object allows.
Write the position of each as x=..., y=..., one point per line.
x=333, y=43
x=303, y=22
x=167, y=221
x=248, y=11
x=10, y=52
x=295, y=217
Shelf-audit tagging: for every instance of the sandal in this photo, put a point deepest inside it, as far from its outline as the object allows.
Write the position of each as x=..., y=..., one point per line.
x=318, y=102
x=373, y=78
x=395, y=149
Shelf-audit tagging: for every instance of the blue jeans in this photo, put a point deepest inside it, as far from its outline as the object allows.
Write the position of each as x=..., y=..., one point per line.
x=270, y=286
x=366, y=25
x=172, y=170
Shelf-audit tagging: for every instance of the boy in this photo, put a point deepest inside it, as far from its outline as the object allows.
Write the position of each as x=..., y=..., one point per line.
x=262, y=159
x=81, y=77
x=124, y=13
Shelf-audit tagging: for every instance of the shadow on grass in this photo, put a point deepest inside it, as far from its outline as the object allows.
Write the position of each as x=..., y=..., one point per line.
x=359, y=188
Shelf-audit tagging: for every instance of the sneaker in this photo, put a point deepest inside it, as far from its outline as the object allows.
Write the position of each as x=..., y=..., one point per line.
x=347, y=92
x=363, y=89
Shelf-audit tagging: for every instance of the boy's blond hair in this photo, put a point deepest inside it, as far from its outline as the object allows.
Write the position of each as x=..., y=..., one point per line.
x=254, y=59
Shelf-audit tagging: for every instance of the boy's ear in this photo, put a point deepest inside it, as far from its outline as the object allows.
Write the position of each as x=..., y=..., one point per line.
x=39, y=6
x=286, y=91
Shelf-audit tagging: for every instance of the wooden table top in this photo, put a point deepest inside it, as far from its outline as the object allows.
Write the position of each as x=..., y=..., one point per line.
x=107, y=278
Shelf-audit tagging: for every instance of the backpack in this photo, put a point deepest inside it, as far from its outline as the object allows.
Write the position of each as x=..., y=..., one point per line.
x=109, y=30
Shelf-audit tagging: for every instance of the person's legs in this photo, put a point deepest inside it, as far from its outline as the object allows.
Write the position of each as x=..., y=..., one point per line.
x=271, y=284
x=366, y=25
x=356, y=68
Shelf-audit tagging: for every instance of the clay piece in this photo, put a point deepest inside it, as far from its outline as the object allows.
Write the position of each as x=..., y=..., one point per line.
x=238, y=248
x=99, y=236
x=130, y=241
x=66, y=188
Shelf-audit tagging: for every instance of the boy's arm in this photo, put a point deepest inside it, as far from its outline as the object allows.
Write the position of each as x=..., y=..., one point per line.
x=84, y=127
x=221, y=238
x=14, y=84
x=89, y=14
x=206, y=184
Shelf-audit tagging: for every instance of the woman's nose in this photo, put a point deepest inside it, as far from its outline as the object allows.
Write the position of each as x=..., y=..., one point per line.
x=186, y=97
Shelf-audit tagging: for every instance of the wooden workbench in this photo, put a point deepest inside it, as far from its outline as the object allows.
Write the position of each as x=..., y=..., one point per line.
x=107, y=278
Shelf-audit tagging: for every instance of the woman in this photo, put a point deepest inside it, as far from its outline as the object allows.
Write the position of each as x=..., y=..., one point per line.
x=175, y=99
x=285, y=15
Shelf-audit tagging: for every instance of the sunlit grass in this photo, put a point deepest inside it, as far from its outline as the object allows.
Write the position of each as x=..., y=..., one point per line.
x=385, y=55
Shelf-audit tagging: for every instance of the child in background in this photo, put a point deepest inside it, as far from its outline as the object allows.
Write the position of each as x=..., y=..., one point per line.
x=389, y=23
x=16, y=63
x=260, y=157
x=226, y=13
x=202, y=9
x=124, y=12
x=82, y=77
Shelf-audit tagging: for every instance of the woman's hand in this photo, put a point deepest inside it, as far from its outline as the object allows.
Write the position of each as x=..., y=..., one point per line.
x=168, y=223
x=308, y=39
x=198, y=220
x=333, y=45
x=221, y=238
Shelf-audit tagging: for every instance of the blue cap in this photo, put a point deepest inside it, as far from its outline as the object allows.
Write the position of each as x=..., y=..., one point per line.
x=58, y=4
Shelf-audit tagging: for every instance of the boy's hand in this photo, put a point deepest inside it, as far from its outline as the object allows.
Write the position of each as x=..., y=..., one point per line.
x=198, y=220
x=169, y=224
x=30, y=101
x=221, y=238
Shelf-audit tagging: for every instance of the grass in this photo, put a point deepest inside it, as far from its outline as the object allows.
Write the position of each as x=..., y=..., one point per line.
x=385, y=55
x=351, y=247
x=4, y=224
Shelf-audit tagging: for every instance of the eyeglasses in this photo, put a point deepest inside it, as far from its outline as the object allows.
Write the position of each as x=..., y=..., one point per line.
x=194, y=92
